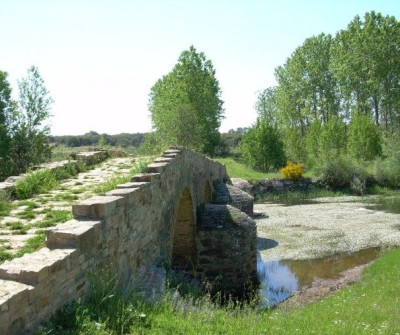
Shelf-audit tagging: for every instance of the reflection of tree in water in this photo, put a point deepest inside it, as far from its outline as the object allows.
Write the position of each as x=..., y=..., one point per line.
x=329, y=267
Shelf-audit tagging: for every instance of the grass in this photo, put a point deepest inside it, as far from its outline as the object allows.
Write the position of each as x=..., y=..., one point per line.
x=236, y=169
x=369, y=307
x=5, y=205
x=17, y=228
x=139, y=166
x=37, y=182
x=53, y=217
x=32, y=244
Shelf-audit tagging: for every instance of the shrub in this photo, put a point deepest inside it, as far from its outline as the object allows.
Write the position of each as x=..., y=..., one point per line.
x=34, y=183
x=340, y=172
x=388, y=170
x=293, y=171
x=262, y=147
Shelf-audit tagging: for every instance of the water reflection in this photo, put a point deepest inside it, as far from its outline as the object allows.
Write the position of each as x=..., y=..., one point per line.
x=386, y=204
x=279, y=279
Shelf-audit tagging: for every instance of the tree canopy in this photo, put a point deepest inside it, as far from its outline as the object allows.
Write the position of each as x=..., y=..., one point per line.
x=186, y=106
x=333, y=89
x=23, y=134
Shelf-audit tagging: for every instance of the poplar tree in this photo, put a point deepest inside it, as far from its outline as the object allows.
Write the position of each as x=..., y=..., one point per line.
x=186, y=106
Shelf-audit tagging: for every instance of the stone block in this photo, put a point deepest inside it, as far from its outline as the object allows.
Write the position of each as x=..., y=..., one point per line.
x=33, y=268
x=42, y=302
x=146, y=177
x=99, y=207
x=163, y=160
x=73, y=234
x=131, y=185
x=156, y=167
x=128, y=194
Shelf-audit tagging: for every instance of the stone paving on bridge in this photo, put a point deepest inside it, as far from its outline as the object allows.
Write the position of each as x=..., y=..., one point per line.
x=29, y=217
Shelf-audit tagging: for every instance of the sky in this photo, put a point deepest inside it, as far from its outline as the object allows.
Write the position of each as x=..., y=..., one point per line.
x=99, y=59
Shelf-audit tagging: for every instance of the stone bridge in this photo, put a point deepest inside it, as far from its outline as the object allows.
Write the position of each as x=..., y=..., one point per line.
x=164, y=216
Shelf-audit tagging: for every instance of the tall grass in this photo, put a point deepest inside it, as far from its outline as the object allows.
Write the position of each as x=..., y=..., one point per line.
x=44, y=180
x=37, y=182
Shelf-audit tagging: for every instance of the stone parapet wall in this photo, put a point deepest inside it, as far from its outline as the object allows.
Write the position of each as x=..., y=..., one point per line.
x=128, y=231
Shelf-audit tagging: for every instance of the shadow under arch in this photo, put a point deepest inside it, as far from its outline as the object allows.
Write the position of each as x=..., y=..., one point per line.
x=207, y=193
x=184, y=250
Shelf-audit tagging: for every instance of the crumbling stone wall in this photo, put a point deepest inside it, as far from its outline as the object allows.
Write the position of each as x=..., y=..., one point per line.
x=129, y=231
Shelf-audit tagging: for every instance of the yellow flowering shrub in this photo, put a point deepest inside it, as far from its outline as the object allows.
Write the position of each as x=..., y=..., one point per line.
x=293, y=170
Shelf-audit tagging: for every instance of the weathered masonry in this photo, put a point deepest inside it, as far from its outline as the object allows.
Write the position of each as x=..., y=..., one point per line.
x=162, y=216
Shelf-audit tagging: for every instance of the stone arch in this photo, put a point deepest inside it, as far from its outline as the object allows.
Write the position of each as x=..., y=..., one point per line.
x=184, y=251
x=207, y=193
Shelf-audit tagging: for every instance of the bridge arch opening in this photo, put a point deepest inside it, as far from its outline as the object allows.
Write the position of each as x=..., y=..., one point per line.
x=184, y=244
x=207, y=193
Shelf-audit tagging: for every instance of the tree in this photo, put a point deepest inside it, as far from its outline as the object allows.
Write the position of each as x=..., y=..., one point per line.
x=261, y=147
x=185, y=104
x=365, y=140
x=6, y=111
x=366, y=63
x=29, y=138
x=266, y=105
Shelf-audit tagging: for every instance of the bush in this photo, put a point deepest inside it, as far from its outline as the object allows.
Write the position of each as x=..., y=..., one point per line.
x=262, y=148
x=388, y=170
x=340, y=172
x=293, y=171
x=388, y=173
x=34, y=183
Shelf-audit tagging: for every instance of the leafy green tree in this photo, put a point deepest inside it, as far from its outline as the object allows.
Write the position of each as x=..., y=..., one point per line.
x=365, y=139
x=186, y=106
x=266, y=105
x=262, y=147
x=6, y=111
x=29, y=138
x=333, y=138
x=366, y=63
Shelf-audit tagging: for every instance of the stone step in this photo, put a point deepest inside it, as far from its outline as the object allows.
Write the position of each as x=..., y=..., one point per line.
x=73, y=234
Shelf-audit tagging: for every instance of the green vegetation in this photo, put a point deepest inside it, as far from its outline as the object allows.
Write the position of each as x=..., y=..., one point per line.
x=32, y=244
x=262, y=147
x=23, y=135
x=186, y=106
x=5, y=205
x=44, y=180
x=236, y=169
x=53, y=217
x=139, y=167
x=367, y=307
x=69, y=144
x=37, y=182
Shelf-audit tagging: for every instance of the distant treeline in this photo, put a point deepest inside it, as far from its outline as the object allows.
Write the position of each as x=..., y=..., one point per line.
x=228, y=141
x=93, y=138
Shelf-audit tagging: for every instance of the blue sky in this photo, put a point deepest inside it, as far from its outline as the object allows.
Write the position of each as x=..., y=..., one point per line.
x=99, y=59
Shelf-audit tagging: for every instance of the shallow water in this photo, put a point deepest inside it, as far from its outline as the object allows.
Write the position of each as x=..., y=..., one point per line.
x=389, y=204
x=280, y=279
